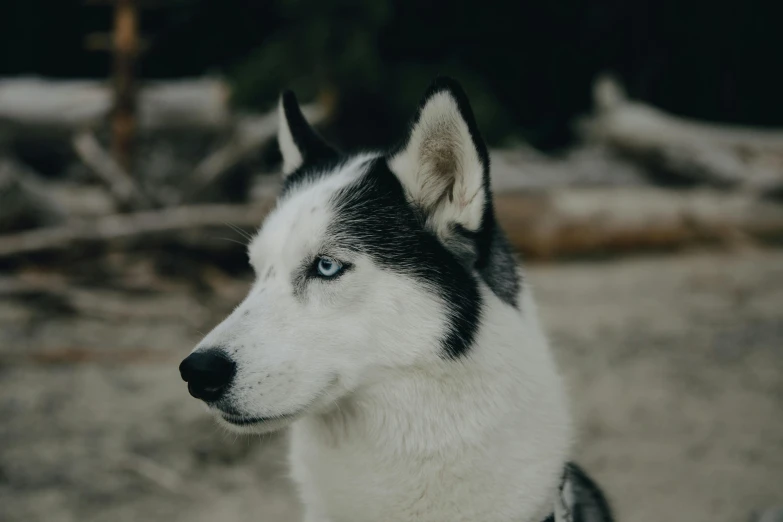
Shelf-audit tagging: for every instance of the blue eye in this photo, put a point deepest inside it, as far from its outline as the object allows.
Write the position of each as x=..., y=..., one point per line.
x=328, y=267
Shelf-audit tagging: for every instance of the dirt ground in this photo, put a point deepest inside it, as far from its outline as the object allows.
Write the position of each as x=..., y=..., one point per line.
x=675, y=366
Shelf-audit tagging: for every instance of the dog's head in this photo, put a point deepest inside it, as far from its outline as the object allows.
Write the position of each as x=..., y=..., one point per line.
x=370, y=263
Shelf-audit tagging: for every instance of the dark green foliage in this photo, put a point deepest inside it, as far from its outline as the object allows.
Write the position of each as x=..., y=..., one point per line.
x=333, y=45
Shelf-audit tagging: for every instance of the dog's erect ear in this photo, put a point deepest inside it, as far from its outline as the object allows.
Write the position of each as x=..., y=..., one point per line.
x=444, y=164
x=298, y=141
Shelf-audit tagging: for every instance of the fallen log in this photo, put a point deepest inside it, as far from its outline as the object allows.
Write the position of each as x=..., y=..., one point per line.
x=55, y=107
x=691, y=151
x=621, y=220
x=523, y=168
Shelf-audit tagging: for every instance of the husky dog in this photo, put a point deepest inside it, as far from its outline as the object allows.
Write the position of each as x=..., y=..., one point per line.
x=389, y=325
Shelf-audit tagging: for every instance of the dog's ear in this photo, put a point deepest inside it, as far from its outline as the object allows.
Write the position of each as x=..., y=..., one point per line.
x=444, y=164
x=298, y=141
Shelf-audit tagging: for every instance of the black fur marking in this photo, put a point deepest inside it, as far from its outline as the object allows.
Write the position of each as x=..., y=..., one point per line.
x=590, y=504
x=312, y=147
x=314, y=150
x=500, y=272
x=309, y=172
x=374, y=217
x=462, y=243
x=494, y=258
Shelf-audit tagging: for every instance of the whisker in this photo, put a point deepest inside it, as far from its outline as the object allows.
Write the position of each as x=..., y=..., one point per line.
x=233, y=241
x=240, y=231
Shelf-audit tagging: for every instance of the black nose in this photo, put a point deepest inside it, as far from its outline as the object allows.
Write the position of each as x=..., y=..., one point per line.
x=208, y=373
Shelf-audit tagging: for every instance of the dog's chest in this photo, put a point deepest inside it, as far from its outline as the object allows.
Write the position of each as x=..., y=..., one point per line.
x=358, y=481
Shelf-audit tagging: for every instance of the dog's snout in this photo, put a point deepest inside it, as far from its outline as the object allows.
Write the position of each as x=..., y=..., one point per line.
x=208, y=373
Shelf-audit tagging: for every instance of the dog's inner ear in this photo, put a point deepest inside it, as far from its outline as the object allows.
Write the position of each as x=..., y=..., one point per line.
x=299, y=143
x=444, y=163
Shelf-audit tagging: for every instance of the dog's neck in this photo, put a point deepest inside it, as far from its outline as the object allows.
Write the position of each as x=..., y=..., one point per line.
x=481, y=438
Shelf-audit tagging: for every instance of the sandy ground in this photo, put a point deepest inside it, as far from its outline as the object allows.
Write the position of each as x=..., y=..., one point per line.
x=675, y=366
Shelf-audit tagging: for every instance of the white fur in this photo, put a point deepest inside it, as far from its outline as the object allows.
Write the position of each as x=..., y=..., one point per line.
x=483, y=439
x=384, y=428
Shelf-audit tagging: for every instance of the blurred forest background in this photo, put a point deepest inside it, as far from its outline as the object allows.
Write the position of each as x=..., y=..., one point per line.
x=528, y=66
x=637, y=163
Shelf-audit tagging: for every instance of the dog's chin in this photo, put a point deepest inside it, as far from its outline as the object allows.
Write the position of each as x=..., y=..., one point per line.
x=255, y=425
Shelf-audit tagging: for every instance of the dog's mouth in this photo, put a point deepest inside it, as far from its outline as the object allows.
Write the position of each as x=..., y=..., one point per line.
x=245, y=421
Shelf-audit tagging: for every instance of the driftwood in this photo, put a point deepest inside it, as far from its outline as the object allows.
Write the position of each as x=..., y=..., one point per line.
x=24, y=199
x=76, y=110
x=618, y=213
x=147, y=224
x=78, y=200
x=524, y=168
x=696, y=152
x=561, y=223
x=587, y=222
x=121, y=185
x=45, y=107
